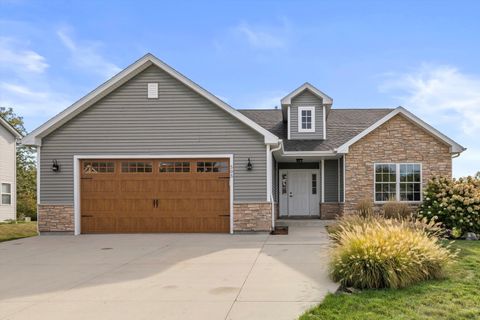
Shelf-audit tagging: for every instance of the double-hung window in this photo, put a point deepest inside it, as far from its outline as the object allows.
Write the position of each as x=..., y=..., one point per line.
x=6, y=193
x=398, y=181
x=306, y=119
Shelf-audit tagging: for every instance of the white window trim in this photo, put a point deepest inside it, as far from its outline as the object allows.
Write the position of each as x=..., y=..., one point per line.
x=300, y=109
x=397, y=188
x=10, y=194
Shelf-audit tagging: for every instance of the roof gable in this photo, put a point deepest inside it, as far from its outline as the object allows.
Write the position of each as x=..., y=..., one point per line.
x=342, y=125
x=35, y=137
x=287, y=100
x=454, y=146
x=4, y=123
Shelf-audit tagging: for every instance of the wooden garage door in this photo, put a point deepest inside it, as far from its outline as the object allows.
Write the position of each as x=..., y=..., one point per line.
x=174, y=195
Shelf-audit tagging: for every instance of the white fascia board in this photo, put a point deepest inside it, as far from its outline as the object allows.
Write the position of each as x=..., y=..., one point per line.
x=121, y=78
x=307, y=153
x=34, y=138
x=10, y=128
x=454, y=147
x=287, y=100
x=310, y=153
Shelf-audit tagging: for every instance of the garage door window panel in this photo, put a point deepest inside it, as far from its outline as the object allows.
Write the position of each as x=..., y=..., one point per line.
x=137, y=167
x=174, y=166
x=212, y=166
x=92, y=167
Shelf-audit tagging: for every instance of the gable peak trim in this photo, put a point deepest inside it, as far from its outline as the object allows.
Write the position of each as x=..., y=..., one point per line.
x=10, y=128
x=35, y=137
x=287, y=100
x=454, y=146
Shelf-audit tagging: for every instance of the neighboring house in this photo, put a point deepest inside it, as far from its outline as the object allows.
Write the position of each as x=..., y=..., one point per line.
x=151, y=151
x=8, y=170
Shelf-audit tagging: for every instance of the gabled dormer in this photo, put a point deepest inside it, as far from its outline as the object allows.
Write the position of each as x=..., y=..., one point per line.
x=305, y=110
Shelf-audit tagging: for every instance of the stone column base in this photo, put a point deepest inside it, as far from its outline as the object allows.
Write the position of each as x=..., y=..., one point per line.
x=55, y=218
x=330, y=210
x=252, y=217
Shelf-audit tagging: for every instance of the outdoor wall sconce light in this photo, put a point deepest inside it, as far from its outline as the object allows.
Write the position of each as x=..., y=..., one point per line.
x=249, y=165
x=55, y=166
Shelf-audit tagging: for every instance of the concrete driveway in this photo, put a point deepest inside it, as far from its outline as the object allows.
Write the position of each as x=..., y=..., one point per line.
x=164, y=276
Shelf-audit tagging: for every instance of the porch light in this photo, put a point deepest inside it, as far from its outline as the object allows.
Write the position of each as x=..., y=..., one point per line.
x=249, y=165
x=55, y=166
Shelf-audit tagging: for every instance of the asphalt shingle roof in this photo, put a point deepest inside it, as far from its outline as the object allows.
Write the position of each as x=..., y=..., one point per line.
x=342, y=125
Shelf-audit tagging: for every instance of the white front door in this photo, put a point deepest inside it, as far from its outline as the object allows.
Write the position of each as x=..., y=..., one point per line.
x=298, y=194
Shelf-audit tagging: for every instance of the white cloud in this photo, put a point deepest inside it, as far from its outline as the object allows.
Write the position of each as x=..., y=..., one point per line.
x=25, y=84
x=32, y=100
x=441, y=93
x=449, y=100
x=85, y=55
x=14, y=56
x=264, y=37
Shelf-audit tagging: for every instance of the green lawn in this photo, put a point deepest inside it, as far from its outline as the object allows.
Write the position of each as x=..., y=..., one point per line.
x=11, y=231
x=456, y=297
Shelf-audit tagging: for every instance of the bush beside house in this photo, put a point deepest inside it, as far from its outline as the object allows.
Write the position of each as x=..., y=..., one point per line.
x=454, y=203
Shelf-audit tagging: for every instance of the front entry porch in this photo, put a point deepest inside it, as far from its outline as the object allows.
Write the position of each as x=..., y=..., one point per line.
x=310, y=190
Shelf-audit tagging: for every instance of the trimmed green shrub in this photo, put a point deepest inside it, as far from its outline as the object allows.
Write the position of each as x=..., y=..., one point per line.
x=454, y=203
x=386, y=253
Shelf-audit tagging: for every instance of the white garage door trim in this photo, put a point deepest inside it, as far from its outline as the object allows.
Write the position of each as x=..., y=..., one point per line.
x=76, y=177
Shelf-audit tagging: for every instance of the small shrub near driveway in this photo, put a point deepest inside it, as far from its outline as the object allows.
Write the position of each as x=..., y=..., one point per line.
x=386, y=253
x=16, y=230
x=454, y=203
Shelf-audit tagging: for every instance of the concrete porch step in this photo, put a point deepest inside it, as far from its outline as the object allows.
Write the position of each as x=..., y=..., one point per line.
x=303, y=222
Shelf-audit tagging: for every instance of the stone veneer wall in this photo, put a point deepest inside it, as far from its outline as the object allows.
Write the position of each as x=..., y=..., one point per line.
x=330, y=210
x=55, y=218
x=247, y=217
x=252, y=217
x=397, y=140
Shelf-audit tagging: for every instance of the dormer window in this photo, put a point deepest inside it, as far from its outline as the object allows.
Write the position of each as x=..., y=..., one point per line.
x=306, y=119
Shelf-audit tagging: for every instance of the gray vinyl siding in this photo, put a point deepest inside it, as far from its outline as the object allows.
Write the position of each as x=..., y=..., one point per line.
x=331, y=180
x=179, y=122
x=306, y=99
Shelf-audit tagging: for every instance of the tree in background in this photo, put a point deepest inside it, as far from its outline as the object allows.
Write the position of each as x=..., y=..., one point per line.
x=26, y=169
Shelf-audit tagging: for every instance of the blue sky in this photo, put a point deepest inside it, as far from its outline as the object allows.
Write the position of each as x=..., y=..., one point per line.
x=422, y=55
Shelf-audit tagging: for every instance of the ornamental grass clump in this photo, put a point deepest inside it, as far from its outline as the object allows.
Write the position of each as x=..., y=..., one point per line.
x=384, y=253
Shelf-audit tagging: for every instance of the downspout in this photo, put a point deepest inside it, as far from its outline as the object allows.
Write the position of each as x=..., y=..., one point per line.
x=280, y=144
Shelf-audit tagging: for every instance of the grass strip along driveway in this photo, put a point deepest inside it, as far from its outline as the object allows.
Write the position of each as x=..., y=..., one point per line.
x=456, y=297
x=11, y=231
